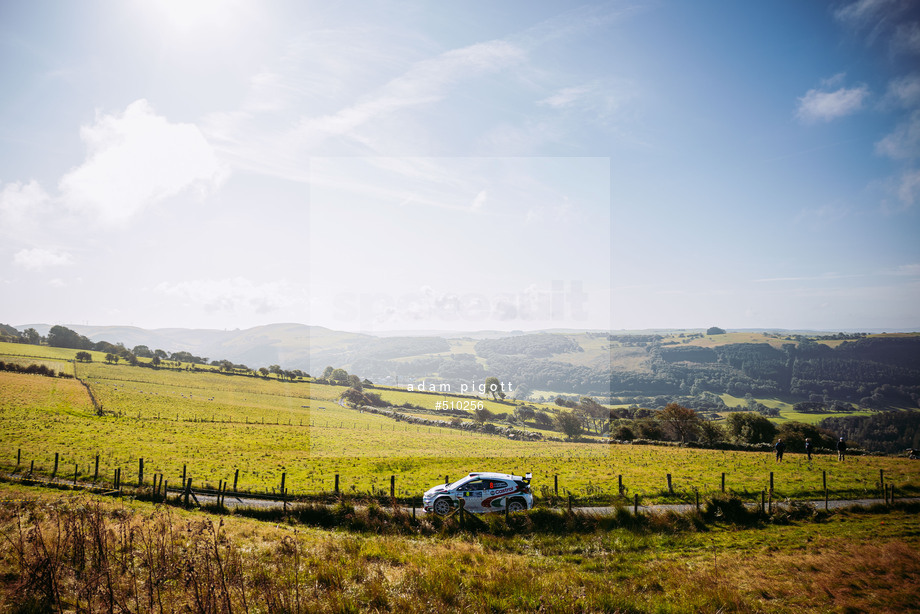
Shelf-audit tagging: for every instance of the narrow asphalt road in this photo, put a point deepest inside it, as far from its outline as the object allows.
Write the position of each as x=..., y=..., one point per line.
x=235, y=500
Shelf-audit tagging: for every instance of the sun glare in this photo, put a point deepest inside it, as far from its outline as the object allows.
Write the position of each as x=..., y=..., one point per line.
x=195, y=14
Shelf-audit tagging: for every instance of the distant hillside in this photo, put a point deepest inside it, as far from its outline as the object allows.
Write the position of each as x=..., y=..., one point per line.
x=875, y=371
x=292, y=345
x=532, y=346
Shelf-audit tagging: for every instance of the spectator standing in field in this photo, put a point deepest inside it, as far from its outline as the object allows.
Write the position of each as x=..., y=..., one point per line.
x=808, y=447
x=780, y=447
x=841, y=449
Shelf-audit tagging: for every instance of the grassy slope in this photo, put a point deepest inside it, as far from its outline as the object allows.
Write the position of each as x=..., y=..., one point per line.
x=786, y=412
x=215, y=424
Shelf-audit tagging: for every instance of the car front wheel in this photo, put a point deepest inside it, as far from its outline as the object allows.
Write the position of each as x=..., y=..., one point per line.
x=442, y=506
x=516, y=505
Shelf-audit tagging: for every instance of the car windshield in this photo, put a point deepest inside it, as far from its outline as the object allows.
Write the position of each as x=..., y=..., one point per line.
x=458, y=483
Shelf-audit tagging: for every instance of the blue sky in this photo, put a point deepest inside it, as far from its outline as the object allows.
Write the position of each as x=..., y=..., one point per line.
x=461, y=166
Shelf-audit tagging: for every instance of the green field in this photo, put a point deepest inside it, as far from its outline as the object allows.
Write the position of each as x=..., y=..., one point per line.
x=211, y=425
x=786, y=411
x=208, y=425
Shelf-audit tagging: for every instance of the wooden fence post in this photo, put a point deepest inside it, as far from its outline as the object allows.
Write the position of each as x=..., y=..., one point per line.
x=670, y=487
x=236, y=476
x=165, y=490
x=824, y=480
x=620, y=483
x=96, y=474
x=32, y=467
x=56, y=456
x=18, y=456
x=556, y=484
x=881, y=480
x=188, y=490
x=771, y=483
x=635, y=505
x=697, y=493
x=392, y=486
x=183, y=474
x=446, y=482
x=723, y=481
x=140, y=472
x=336, y=490
x=763, y=501
x=75, y=468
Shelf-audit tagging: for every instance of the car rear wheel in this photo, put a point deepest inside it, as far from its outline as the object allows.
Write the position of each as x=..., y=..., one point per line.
x=442, y=506
x=516, y=505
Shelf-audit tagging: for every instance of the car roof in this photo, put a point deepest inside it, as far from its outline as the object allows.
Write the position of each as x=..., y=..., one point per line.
x=491, y=475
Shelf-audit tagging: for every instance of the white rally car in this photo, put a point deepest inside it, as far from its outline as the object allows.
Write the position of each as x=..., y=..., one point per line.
x=481, y=492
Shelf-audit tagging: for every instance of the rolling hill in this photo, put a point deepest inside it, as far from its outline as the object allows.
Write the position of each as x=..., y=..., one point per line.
x=876, y=371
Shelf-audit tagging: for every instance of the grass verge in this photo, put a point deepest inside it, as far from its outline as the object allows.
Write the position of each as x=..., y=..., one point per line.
x=88, y=553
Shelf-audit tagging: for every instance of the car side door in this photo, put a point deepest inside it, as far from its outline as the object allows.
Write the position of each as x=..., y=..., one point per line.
x=472, y=494
x=496, y=493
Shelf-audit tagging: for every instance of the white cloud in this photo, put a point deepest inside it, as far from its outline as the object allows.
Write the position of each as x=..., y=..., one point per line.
x=889, y=21
x=904, y=91
x=480, y=200
x=35, y=259
x=424, y=83
x=600, y=100
x=835, y=81
x=906, y=39
x=823, y=214
x=136, y=159
x=862, y=12
x=350, y=103
x=565, y=97
x=818, y=105
x=904, y=142
x=522, y=139
x=557, y=213
x=905, y=270
x=909, y=188
x=21, y=203
x=236, y=295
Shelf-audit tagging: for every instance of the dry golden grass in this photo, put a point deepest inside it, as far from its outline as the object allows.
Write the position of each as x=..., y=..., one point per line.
x=89, y=554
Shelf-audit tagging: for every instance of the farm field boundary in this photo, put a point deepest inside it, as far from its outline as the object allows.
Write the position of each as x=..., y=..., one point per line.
x=393, y=487
x=215, y=500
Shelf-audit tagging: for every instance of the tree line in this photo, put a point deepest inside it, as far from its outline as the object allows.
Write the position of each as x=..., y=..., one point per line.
x=32, y=369
x=63, y=337
x=681, y=424
x=873, y=372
